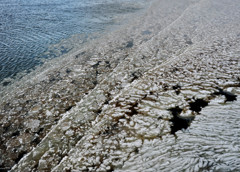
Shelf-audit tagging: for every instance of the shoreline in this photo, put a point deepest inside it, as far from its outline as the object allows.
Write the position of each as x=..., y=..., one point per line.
x=119, y=88
x=86, y=45
x=84, y=18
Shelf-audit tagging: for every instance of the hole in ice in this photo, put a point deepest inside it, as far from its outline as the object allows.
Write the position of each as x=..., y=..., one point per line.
x=129, y=44
x=228, y=95
x=20, y=155
x=108, y=64
x=111, y=169
x=95, y=83
x=36, y=140
x=68, y=70
x=132, y=109
x=95, y=66
x=68, y=108
x=134, y=76
x=198, y=104
x=16, y=133
x=6, y=83
x=68, y=170
x=106, y=102
x=177, y=89
x=40, y=131
x=179, y=122
x=4, y=168
x=98, y=111
x=136, y=150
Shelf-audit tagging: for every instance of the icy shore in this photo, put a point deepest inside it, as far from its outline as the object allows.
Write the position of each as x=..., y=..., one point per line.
x=116, y=104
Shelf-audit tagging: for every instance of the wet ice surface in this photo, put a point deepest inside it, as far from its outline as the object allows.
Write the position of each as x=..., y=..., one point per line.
x=210, y=144
x=113, y=104
x=64, y=83
x=133, y=133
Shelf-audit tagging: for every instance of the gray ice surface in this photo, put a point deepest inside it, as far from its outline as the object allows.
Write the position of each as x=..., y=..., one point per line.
x=176, y=54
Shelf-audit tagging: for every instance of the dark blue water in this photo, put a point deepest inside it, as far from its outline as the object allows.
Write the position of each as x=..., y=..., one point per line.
x=29, y=27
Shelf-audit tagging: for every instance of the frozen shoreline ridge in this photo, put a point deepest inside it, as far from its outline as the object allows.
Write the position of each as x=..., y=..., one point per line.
x=121, y=102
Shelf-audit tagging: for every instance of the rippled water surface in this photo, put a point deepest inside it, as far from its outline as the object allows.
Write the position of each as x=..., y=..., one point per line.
x=28, y=28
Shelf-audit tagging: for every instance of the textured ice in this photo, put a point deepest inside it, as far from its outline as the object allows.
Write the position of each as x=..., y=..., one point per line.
x=115, y=116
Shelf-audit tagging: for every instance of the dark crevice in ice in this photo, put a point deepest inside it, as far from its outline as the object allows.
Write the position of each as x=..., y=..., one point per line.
x=129, y=44
x=228, y=95
x=68, y=108
x=148, y=98
x=95, y=83
x=80, y=54
x=118, y=104
x=36, y=140
x=98, y=111
x=165, y=86
x=136, y=150
x=177, y=89
x=68, y=170
x=179, y=122
x=198, y=104
x=95, y=66
x=108, y=64
x=35, y=166
x=16, y=133
x=20, y=155
x=106, y=102
x=135, y=76
x=4, y=169
x=108, y=96
x=132, y=109
x=68, y=70
x=111, y=169
x=40, y=131
x=174, y=69
x=6, y=83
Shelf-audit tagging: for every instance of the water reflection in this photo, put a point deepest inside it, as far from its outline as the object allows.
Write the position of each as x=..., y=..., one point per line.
x=27, y=28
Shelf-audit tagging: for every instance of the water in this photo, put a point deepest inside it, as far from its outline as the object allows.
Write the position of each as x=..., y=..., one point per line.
x=28, y=28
